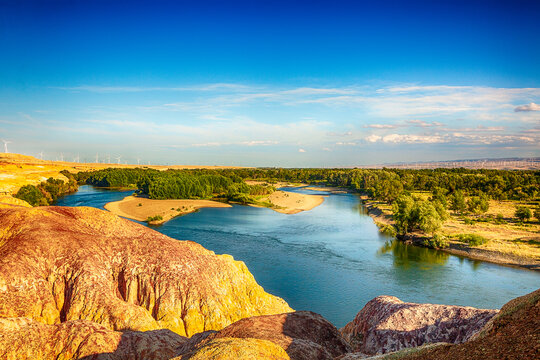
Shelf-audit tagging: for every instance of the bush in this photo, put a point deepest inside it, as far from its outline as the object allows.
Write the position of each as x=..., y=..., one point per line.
x=536, y=213
x=32, y=195
x=472, y=239
x=523, y=213
x=499, y=220
x=387, y=229
x=154, y=218
x=436, y=242
x=478, y=204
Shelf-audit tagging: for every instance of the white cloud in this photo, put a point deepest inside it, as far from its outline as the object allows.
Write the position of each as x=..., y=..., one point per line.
x=373, y=138
x=301, y=150
x=529, y=107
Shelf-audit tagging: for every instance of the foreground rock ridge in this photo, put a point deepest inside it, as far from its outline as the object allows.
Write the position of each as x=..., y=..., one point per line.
x=59, y=264
x=387, y=324
x=81, y=283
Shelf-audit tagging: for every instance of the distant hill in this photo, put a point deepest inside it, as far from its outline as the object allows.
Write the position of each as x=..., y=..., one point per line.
x=532, y=163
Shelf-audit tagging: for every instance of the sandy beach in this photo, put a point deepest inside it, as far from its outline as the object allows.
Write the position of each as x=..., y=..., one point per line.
x=293, y=203
x=138, y=208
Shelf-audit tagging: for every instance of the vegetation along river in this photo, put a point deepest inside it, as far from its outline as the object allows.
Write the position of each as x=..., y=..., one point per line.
x=332, y=259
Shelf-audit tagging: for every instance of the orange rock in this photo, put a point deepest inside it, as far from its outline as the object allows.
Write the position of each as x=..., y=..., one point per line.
x=59, y=264
x=23, y=338
x=303, y=335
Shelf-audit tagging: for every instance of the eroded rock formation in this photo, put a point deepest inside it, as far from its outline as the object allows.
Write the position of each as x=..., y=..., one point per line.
x=59, y=264
x=514, y=333
x=300, y=335
x=388, y=324
x=24, y=338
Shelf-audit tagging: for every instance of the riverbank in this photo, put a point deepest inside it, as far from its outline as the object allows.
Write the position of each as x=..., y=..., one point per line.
x=508, y=244
x=161, y=211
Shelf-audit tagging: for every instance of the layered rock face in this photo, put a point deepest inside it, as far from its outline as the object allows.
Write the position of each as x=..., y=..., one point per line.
x=388, y=324
x=59, y=264
x=300, y=335
x=514, y=333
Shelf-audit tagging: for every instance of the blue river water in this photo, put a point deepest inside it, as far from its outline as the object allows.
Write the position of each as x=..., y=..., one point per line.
x=332, y=259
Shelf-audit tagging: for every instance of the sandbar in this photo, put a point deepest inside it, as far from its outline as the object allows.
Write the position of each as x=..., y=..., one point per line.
x=139, y=208
x=292, y=203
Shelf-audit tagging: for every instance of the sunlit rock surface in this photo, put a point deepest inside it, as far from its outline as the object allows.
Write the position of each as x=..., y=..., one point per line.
x=388, y=324
x=23, y=338
x=59, y=264
x=300, y=335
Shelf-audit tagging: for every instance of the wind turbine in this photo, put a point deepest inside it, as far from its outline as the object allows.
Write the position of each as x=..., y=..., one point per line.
x=76, y=158
x=109, y=159
x=118, y=159
x=97, y=158
x=61, y=156
x=41, y=155
x=5, y=145
x=138, y=161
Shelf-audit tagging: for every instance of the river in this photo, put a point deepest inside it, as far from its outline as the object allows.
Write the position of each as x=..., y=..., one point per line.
x=332, y=259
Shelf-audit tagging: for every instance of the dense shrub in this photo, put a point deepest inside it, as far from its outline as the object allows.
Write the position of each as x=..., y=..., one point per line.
x=478, y=204
x=523, y=213
x=438, y=241
x=387, y=229
x=154, y=218
x=472, y=239
x=32, y=195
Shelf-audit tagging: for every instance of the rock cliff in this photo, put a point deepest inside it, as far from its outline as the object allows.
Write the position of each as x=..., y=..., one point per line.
x=388, y=324
x=59, y=264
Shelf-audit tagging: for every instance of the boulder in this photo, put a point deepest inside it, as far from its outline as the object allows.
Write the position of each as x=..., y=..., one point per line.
x=302, y=335
x=388, y=324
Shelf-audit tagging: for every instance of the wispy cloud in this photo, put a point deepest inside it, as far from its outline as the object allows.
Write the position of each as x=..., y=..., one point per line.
x=127, y=89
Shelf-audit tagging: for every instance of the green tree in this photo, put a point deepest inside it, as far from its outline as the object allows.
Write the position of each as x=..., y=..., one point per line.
x=523, y=213
x=403, y=209
x=428, y=218
x=478, y=204
x=457, y=201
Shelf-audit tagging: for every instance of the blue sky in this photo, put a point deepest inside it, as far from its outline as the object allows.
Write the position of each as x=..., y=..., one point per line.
x=260, y=83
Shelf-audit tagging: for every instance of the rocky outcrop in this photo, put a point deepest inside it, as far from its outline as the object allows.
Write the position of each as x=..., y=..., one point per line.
x=388, y=324
x=59, y=264
x=23, y=338
x=300, y=335
x=514, y=333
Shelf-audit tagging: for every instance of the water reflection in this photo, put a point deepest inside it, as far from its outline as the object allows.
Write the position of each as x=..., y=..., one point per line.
x=407, y=256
